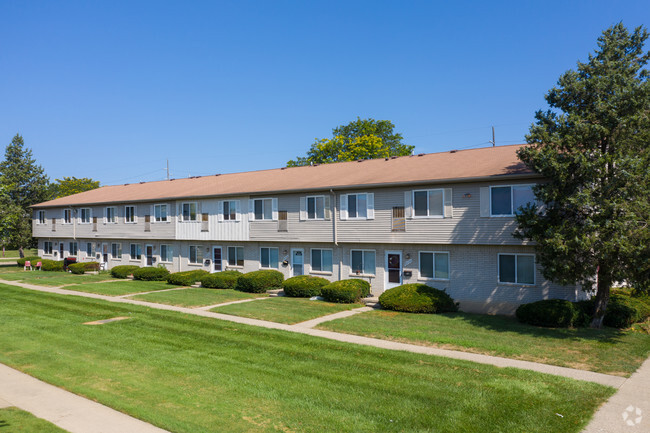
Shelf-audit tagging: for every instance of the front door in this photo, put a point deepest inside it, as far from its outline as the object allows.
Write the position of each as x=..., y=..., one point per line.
x=297, y=262
x=104, y=253
x=148, y=252
x=393, y=269
x=216, y=259
x=61, y=250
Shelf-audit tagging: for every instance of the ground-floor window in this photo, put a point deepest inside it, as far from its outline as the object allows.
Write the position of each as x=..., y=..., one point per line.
x=74, y=249
x=116, y=251
x=269, y=258
x=89, y=249
x=434, y=265
x=363, y=262
x=136, y=252
x=47, y=247
x=196, y=254
x=236, y=256
x=517, y=268
x=166, y=254
x=321, y=260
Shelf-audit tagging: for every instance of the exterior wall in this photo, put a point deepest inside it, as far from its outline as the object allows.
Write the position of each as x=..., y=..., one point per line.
x=217, y=228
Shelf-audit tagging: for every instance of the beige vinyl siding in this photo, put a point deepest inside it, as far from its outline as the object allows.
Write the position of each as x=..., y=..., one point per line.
x=217, y=230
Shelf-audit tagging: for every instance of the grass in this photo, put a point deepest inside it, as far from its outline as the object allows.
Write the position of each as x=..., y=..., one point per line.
x=15, y=420
x=284, y=309
x=43, y=278
x=608, y=350
x=194, y=374
x=197, y=297
x=118, y=288
x=13, y=254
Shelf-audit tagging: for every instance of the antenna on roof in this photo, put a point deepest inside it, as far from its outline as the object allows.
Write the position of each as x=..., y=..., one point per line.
x=167, y=168
x=494, y=143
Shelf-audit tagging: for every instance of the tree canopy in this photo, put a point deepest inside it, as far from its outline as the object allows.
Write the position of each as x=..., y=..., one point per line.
x=72, y=185
x=592, y=148
x=359, y=139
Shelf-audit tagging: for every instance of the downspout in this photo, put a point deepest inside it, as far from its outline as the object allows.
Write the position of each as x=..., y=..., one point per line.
x=335, y=234
x=74, y=224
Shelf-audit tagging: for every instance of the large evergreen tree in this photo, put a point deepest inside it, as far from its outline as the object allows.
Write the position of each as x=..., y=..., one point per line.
x=23, y=183
x=592, y=147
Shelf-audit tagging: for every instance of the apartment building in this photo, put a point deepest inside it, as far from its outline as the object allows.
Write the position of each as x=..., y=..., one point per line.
x=444, y=219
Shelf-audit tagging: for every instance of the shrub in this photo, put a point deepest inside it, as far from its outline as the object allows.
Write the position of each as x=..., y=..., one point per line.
x=151, y=274
x=123, y=271
x=623, y=311
x=186, y=278
x=417, y=298
x=346, y=291
x=52, y=265
x=221, y=280
x=260, y=281
x=77, y=268
x=552, y=313
x=32, y=259
x=304, y=286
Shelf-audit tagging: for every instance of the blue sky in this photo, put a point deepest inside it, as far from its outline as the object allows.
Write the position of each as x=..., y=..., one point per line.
x=111, y=90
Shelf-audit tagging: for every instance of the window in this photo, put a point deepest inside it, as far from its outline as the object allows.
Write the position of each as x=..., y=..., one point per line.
x=321, y=260
x=74, y=249
x=230, y=209
x=358, y=206
x=166, y=253
x=434, y=265
x=136, y=252
x=89, y=249
x=110, y=215
x=363, y=262
x=84, y=215
x=116, y=251
x=429, y=203
x=67, y=216
x=129, y=214
x=188, y=212
x=506, y=200
x=269, y=258
x=196, y=254
x=517, y=268
x=47, y=247
x=41, y=217
x=316, y=208
x=236, y=256
x=263, y=209
x=160, y=213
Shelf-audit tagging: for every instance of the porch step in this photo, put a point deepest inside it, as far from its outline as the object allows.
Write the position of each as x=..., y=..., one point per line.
x=275, y=292
x=372, y=302
x=196, y=285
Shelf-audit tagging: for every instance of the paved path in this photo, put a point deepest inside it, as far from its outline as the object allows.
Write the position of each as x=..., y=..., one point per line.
x=67, y=410
x=341, y=314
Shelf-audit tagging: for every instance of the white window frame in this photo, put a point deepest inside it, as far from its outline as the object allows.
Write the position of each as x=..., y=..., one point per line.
x=512, y=199
x=315, y=199
x=68, y=213
x=89, y=251
x=198, y=249
x=138, y=252
x=46, y=251
x=274, y=209
x=356, y=194
x=516, y=260
x=277, y=264
x=134, y=218
x=116, y=253
x=73, y=251
x=40, y=217
x=169, y=253
x=420, y=277
x=363, y=258
x=189, y=211
x=160, y=206
x=228, y=260
x=427, y=191
x=89, y=212
x=108, y=220
x=222, y=216
x=311, y=261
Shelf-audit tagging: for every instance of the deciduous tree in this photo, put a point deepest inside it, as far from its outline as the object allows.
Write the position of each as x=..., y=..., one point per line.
x=71, y=185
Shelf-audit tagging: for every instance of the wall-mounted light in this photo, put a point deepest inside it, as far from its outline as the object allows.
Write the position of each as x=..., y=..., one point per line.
x=408, y=256
x=284, y=252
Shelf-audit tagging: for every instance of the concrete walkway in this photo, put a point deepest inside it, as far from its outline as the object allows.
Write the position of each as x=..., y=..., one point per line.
x=67, y=410
x=341, y=314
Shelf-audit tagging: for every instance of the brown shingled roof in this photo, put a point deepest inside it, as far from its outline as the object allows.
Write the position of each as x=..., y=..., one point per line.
x=459, y=165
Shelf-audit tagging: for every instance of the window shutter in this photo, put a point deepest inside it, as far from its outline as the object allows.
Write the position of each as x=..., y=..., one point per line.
x=274, y=206
x=370, y=201
x=408, y=208
x=344, y=207
x=105, y=217
x=237, y=210
x=327, y=204
x=449, y=210
x=485, y=201
x=135, y=213
x=220, y=211
x=180, y=212
x=251, y=210
x=303, y=208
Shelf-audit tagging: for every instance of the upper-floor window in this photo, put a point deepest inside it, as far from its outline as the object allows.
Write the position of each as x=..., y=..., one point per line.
x=84, y=215
x=236, y=256
x=263, y=208
x=196, y=254
x=363, y=262
x=160, y=213
x=228, y=210
x=434, y=265
x=41, y=217
x=129, y=214
x=321, y=260
x=358, y=206
x=189, y=212
x=506, y=200
x=269, y=258
x=110, y=215
x=67, y=216
x=517, y=268
x=316, y=208
x=428, y=203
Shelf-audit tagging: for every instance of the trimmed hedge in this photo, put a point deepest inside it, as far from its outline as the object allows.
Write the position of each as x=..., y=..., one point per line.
x=221, y=280
x=260, y=281
x=304, y=286
x=80, y=268
x=123, y=271
x=151, y=274
x=552, y=313
x=417, y=298
x=32, y=259
x=346, y=291
x=624, y=311
x=186, y=278
x=52, y=265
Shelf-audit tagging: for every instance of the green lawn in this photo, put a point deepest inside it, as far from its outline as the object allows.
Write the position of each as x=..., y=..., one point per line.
x=194, y=374
x=122, y=287
x=29, y=252
x=14, y=420
x=197, y=297
x=609, y=350
x=43, y=278
x=284, y=309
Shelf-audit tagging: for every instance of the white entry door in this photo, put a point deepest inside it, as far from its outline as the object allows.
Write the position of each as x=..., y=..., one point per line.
x=297, y=262
x=393, y=269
